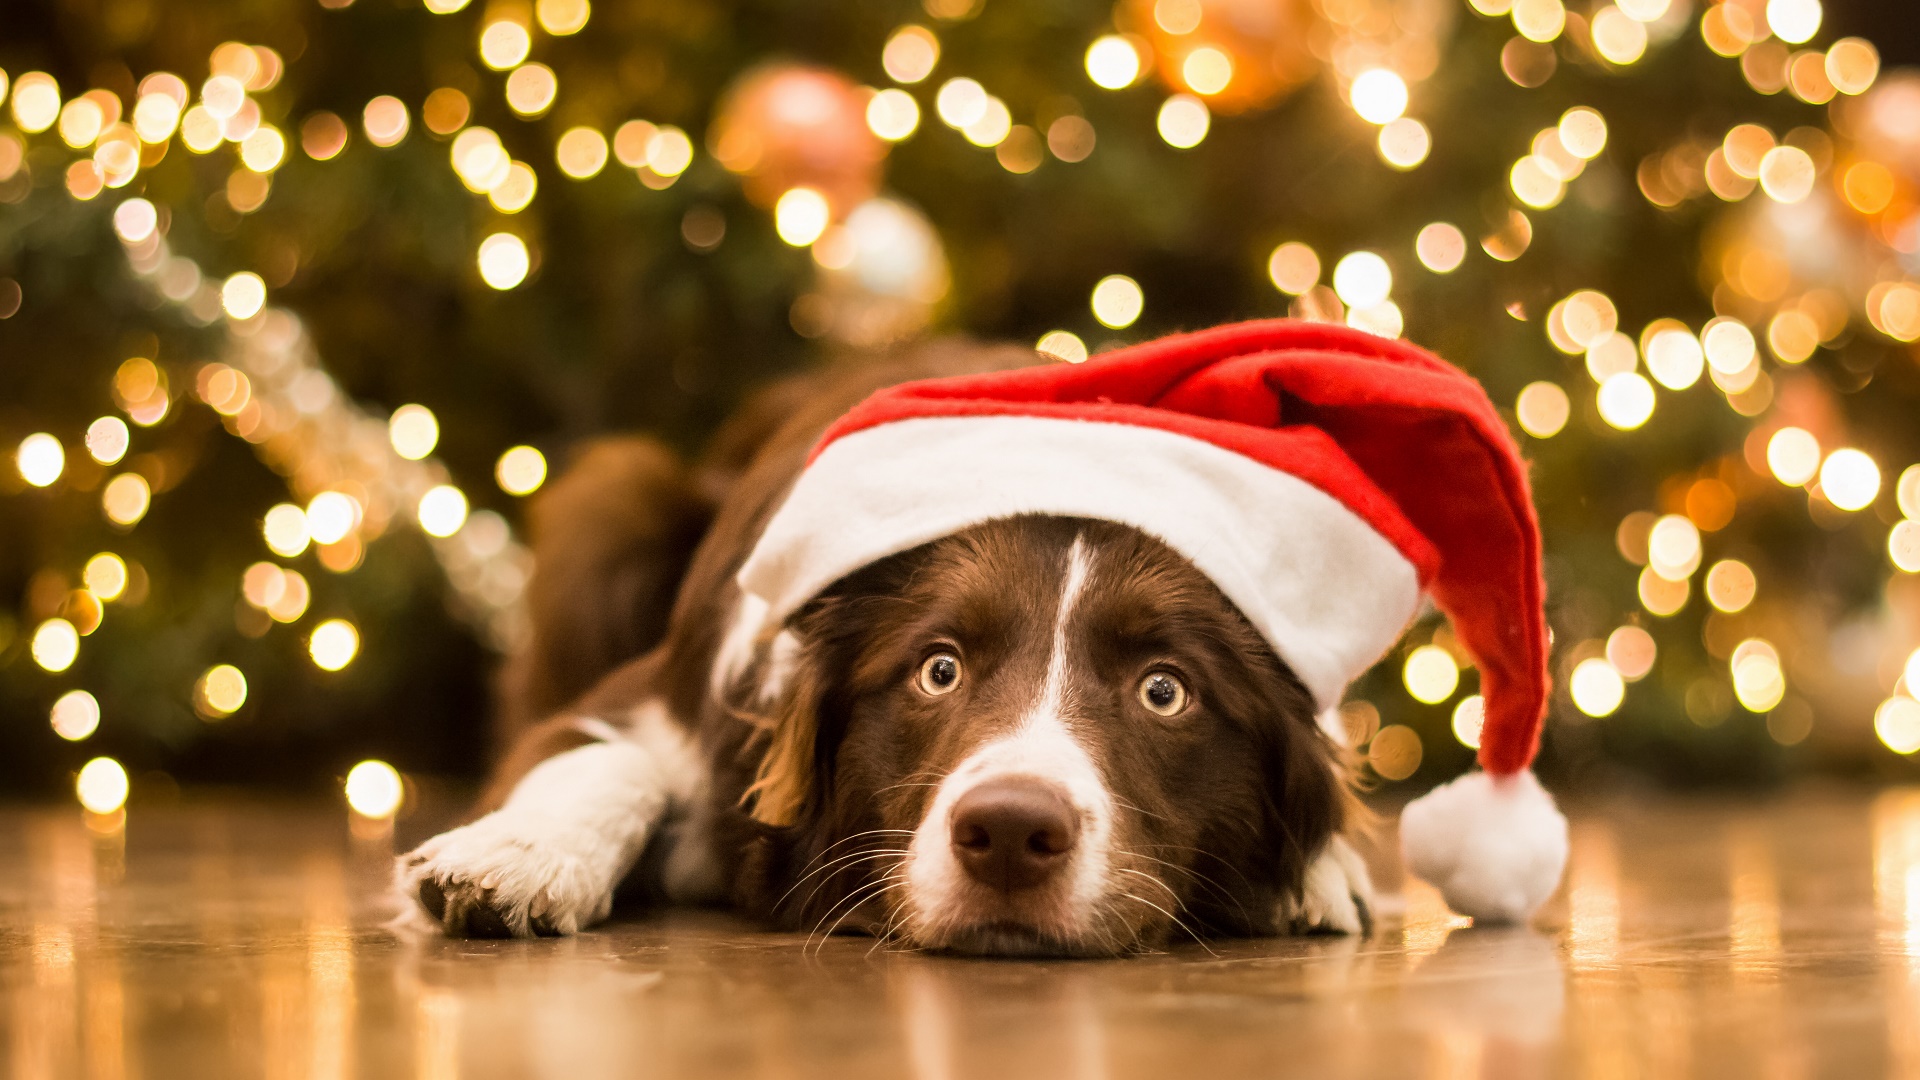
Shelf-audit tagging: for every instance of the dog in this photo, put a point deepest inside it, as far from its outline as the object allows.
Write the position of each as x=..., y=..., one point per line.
x=1038, y=736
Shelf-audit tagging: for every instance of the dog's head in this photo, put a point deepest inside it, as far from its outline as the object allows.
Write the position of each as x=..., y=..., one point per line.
x=1038, y=736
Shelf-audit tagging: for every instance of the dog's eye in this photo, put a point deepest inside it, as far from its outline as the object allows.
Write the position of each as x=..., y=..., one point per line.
x=1163, y=694
x=940, y=674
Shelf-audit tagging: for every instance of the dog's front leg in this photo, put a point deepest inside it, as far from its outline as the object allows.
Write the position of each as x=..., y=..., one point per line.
x=547, y=861
x=1337, y=896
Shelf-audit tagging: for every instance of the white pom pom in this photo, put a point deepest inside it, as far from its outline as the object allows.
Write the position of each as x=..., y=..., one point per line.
x=1494, y=846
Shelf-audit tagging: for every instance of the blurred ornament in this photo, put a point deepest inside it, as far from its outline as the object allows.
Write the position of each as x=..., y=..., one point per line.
x=790, y=126
x=1237, y=54
x=883, y=271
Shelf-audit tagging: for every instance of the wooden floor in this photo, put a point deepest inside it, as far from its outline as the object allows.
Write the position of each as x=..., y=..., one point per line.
x=1709, y=938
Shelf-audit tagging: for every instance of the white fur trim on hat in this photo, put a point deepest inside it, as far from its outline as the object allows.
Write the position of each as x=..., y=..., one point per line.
x=1327, y=591
x=1494, y=846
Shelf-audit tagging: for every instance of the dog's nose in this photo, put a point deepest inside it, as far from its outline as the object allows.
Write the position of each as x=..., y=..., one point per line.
x=1013, y=833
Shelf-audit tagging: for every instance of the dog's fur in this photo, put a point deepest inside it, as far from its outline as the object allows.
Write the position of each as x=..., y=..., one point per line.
x=818, y=787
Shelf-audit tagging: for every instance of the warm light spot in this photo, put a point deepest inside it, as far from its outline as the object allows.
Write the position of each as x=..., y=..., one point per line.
x=446, y=111
x=293, y=597
x=75, y=715
x=1112, y=62
x=1404, y=143
x=1395, y=752
x=1903, y=545
x=1911, y=671
x=102, y=786
x=385, y=121
x=1731, y=585
x=531, y=89
x=1631, y=651
x=1206, y=70
x=1794, y=456
x=1794, y=21
x=503, y=260
x=285, y=530
x=1626, y=400
x=1612, y=355
x=126, y=498
x=1852, y=65
x=442, y=511
x=1868, y=186
x=521, y=470
x=135, y=220
x=243, y=295
x=1673, y=547
x=263, y=585
x=1660, y=595
x=1675, y=358
x=1787, y=174
x=669, y=152
x=960, y=102
x=1430, y=674
x=1117, y=301
x=1178, y=17
x=56, y=645
x=1897, y=723
x=1793, y=335
x=1583, y=132
x=1849, y=479
x=1381, y=320
x=1729, y=345
x=333, y=644
x=221, y=691
x=108, y=439
x=1589, y=318
x=1379, y=95
x=1063, y=345
x=581, y=152
x=374, y=789
x=1539, y=20
x=1469, y=717
x=323, y=136
x=331, y=515
x=1362, y=279
x=630, y=142
x=414, y=431
x=1293, y=268
x=1758, y=682
x=563, y=17
x=36, y=101
x=41, y=459
x=1646, y=10
x=264, y=150
x=1618, y=37
x=1534, y=185
x=503, y=44
x=1184, y=121
x=479, y=159
x=80, y=122
x=801, y=215
x=911, y=54
x=1441, y=246
x=105, y=575
x=1543, y=409
x=1907, y=491
x=1596, y=688
x=893, y=114
x=992, y=126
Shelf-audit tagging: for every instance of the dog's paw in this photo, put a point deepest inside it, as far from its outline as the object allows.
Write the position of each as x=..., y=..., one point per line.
x=494, y=879
x=1336, y=898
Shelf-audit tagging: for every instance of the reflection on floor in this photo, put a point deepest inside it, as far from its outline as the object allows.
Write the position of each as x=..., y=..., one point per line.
x=1777, y=939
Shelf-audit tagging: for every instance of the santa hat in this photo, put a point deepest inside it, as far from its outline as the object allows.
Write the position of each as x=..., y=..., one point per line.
x=1321, y=477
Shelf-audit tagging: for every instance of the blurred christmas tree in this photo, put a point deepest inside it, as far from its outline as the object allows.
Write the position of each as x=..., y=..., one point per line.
x=300, y=299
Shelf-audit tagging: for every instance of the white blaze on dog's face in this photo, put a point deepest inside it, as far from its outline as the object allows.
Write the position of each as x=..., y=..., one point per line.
x=1047, y=736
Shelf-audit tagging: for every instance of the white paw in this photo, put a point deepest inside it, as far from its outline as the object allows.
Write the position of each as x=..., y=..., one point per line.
x=503, y=876
x=1336, y=898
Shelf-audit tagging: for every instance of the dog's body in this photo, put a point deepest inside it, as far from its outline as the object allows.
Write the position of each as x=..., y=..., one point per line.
x=1038, y=735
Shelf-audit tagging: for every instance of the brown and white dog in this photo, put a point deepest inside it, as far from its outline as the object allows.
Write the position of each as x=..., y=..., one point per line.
x=1037, y=736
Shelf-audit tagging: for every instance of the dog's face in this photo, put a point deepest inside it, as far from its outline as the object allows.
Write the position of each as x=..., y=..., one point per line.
x=1045, y=736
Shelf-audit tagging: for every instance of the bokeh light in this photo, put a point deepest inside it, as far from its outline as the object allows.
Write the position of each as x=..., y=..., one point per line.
x=41, y=459
x=1362, y=279
x=1674, y=357
x=333, y=644
x=36, y=101
x=1441, y=247
x=1632, y=652
x=1117, y=301
x=1852, y=65
x=1849, y=479
x=801, y=216
x=1184, y=121
x=126, y=498
x=1539, y=20
x=1903, y=545
x=1662, y=596
x=331, y=515
x=1758, y=682
x=893, y=114
x=414, y=431
x=1787, y=174
x=55, y=645
x=1378, y=95
x=1731, y=585
x=105, y=576
x=563, y=17
x=503, y=260
x=1543, y=409
x=1404, y=143
x=222, y=691
x=1469, y=717
x=374, y=789
x=1626, y=400
x=1395, y=753
x=504, y=44
x=385, y=121
x=1794, y=455
x=531, y=90
x=135, y=220
x=1112, y=62
x=1897, y=723
x=581, y=152
x=1062, y=345
x=75, y=715
x=243, y=295
x=102, y=786
x=1618, y=37
x=108, y=439
x=960, y=102
x=442, y=511
x=521, y=470
x=1430, y=674
x=1673, y=547
x=1293, y=268
x=911, y=54
x=285, y=530
x=1596, y=688
x=1794, y=21
x=1206, y=70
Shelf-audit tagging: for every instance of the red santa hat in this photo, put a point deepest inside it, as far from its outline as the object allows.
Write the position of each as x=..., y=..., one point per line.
x=1322, y=477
